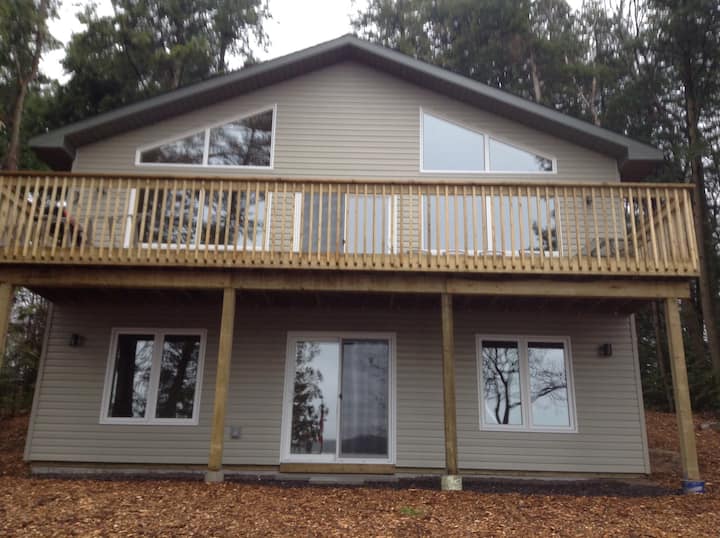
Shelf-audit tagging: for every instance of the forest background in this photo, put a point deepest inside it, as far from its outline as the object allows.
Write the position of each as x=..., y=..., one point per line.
x=649, y=69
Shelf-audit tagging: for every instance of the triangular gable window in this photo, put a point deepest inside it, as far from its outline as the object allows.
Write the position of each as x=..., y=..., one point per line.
x=246, y=141
x=448, y=147
x=243, y=142
x=507, y=158
x=186, y=150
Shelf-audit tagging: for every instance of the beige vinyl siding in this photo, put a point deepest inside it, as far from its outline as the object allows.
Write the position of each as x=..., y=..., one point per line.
x=346, y=121
x=610, y=436
x=257, y=378
x=66, y=425
x=66, y=422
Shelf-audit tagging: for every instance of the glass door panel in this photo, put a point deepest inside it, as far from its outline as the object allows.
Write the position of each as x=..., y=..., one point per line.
x=534, y=219
x=166, y=217
x=350, y=223
x=364, y=399
x=320, y=227
x=315, y=397
x=448, y=224
x=491, y=224
x=368, y=225
x=220, y=219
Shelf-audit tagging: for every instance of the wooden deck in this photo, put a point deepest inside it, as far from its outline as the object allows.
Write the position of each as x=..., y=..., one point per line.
x=580, y=229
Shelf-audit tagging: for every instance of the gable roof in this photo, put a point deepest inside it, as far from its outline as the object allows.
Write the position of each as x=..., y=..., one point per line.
x=57, y=148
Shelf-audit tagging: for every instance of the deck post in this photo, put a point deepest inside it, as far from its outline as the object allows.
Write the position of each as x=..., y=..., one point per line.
x=6, y=301
x=681, y=391
x=222, y=379
x=451, y=480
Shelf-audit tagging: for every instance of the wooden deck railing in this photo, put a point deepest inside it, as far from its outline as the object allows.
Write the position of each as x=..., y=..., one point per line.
x=581, y=228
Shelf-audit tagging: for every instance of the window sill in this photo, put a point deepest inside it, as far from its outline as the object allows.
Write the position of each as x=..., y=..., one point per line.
x=512, y=429
x=144, y=422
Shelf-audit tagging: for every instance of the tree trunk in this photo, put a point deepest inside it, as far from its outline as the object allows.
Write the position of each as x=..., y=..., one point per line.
x=593, y=106
x=701, y=221
x=13, y=155
x=695, y=342
x=660, y=355
x=535, y=74
x=12, y=158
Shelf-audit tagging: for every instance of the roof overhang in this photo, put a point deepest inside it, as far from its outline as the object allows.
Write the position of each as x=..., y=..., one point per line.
x=635, y=159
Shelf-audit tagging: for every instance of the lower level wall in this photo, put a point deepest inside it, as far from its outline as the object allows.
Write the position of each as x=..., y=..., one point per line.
x=65, y=425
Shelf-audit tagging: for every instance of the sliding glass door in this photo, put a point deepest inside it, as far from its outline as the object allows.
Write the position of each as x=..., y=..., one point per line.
x=364, y=398
x=344, y=223
x=484, y=224
x=339, y=403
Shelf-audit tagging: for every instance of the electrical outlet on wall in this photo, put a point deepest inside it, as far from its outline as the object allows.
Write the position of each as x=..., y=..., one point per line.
x=235, y=432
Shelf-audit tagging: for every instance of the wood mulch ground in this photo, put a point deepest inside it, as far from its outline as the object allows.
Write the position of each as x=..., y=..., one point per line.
x=52, y=507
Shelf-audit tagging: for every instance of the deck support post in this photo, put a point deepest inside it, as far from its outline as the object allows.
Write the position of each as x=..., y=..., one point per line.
x=222, y=380
x=451, y=480
x=681, y=391
x=6, y=301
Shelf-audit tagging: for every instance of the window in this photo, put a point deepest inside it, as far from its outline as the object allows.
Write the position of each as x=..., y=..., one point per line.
x=191, y=218
x=447, y=224
x=153, y=376
x=339, y=398
x=449, y=147
x=525, y=384
x=243, y=142
x=484, y=224
x=187, y=150
x=348, y=223
x=507, y=158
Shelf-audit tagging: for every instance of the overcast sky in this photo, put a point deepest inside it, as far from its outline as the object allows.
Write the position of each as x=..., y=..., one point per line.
x=295, y=25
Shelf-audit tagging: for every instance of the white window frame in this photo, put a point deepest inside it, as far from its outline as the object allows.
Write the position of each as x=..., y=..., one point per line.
x=526, y=407
x=335, y=336
x=486, y=150
x=391, y=240
x=198, y=243
x=154, y=382
x=205, y=129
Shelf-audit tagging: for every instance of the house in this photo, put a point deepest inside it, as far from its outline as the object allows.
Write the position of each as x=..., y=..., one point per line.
x=340, y=261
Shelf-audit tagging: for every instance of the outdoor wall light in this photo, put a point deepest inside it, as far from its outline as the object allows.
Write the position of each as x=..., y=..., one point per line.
x=605, y=350
x=74, y=340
